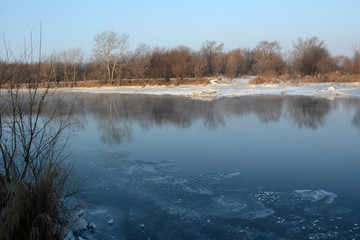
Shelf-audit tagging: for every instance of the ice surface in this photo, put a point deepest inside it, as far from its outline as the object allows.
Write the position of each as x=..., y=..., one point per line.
x=157, y=195
x=238, y=87
x=317, y=195
x=231, y=175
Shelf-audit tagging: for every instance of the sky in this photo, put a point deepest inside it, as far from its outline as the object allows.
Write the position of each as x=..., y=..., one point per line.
x=70, y=24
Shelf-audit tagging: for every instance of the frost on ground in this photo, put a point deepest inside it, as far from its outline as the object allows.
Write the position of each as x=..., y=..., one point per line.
x=238, y=87
x=127, y=199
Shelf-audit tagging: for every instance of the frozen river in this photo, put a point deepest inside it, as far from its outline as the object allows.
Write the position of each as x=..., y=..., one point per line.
x=246, y=167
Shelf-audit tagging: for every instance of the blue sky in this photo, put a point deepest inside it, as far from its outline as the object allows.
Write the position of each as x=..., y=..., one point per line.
x=70, y=23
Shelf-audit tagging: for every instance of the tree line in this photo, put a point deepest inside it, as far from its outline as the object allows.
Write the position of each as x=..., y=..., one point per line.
x=112, y=61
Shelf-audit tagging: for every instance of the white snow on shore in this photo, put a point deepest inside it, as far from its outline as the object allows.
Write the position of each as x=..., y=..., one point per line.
x=237, y=87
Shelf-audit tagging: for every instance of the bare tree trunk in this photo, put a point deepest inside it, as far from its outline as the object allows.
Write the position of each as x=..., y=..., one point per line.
x=108, y=69
x=74, y=76
x=65, y=73
x=112, y=72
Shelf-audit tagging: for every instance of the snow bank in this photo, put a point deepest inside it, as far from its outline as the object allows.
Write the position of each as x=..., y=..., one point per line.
x=237, y=87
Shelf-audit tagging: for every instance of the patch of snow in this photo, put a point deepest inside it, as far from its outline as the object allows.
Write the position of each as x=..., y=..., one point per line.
x=316, y=195
x=78, y=221
x=229, y=205
x=200, y=190
x=207, y=93
x=98, y=211
x=214, y=81
x=232, y=175
x=260, y=213
x=331, y=89
x=236, y=87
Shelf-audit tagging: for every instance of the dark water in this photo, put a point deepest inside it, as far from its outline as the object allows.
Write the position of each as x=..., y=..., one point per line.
x=254, y=167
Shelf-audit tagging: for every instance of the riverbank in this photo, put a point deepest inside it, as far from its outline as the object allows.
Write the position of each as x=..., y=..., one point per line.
x=233, y=87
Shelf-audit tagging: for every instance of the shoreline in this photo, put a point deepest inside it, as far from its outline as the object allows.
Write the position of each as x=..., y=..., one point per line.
x=225, y=88
x=232, y=88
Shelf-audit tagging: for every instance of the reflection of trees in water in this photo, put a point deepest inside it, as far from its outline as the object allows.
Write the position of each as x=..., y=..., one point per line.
x=114, y=130
x=356, y=118
x=307, y=111
x=116, y=114
x=212, y=120
x=80, y=117
x=165, y=110
x=351, y=104
x=269, y=108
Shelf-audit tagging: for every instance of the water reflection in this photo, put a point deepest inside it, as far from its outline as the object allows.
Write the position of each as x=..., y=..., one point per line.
x=116, y=114
x=308, y=112
x=353, y=104
x=114, y=130
x=268, y=109
x=226, y=168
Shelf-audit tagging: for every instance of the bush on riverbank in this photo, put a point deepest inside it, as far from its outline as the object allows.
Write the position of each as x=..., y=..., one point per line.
x=335, y=77
x=33, y=210
x=32, y=171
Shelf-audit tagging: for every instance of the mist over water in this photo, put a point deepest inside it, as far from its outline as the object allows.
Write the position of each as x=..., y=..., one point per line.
x=167, y=167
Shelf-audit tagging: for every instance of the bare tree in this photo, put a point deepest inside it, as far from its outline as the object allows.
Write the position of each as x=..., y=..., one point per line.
x=139, y=63
x=159, y=67
x=308, y=53
x=356, y=58
x=179, y=60
x=64, y=56
x=49, y=68
x=210, y=51
x=199, y=64
x=267, y=57
x=249, y=56
x=76, y=57
x=235, y=63
x=352, y=65
x=327, y=65
x=109, y=49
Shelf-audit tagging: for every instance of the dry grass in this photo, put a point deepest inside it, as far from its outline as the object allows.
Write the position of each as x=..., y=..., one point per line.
x=320, y=78
x=124, y=82
x=136, y=82
x=162, y=82
x=334, y=77
x=264, y=80
x=30, y=211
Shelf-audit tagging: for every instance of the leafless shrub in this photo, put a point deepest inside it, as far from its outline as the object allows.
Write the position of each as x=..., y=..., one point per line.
x=32, y=139
x=308, y=54
x=199, y=65
x=210, y=50
x=235, y=63
x=139, y=63
x=179, y=61
x=267, y=58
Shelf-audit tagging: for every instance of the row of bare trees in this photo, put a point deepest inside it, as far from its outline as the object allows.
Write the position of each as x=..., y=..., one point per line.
x=308, y=57
x=112, y=61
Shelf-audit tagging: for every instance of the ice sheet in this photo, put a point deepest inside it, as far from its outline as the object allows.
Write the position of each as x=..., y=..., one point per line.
x=150, y=194
x=238, y=87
